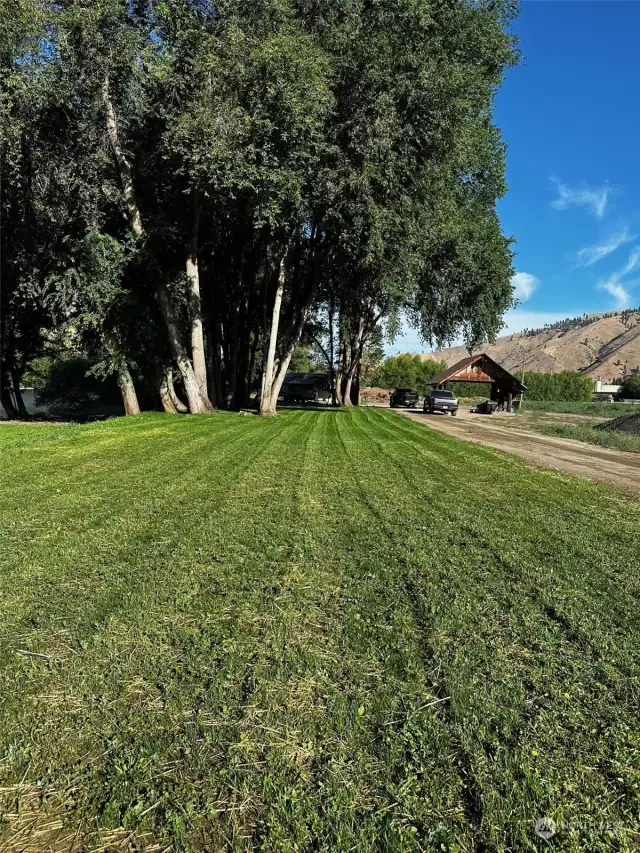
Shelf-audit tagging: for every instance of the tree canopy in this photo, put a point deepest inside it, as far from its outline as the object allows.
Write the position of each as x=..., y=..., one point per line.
x=406, y=371
x=193, y=189
x=630, y=387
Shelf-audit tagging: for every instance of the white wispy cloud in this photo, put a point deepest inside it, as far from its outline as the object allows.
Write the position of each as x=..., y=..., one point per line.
x=620, y=289
x=593, y=198
x=523, y=284
x=592, y=254
x=633, y=263
x=615, y=289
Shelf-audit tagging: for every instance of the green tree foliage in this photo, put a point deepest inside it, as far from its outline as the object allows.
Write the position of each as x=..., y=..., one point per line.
x=630, y=387
x=406, y=371
x=189, y=185
x=566, y=385
x=301, y=361
x=475, y=390
x=70, y=385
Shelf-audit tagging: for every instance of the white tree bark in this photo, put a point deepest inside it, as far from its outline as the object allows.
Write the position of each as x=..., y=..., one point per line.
x=356, y=352
x=197, y=402
x=135, y=218
x=283, y=366
x=177, y=402
x=165, y=396
x=128, y=390
x=267, y=406
x=195, y=307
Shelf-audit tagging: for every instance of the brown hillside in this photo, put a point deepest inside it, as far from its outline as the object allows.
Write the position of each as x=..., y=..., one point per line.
x=600, y=345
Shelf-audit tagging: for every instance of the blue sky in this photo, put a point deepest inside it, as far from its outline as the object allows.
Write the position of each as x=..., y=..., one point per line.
x=570, y=115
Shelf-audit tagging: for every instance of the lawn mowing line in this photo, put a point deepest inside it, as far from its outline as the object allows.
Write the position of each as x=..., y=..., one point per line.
x=77, y=474
x=325, y=479
x=336, y=462
x=129, y=545
x=262, y=661
x=126, y=546
x=267, y=662
x=98, y=603
x=470, y=794
x=188, y=457
x=428, y=661
x=623, y=668
x=172, y=438
x=514, y=570
x=536, y=592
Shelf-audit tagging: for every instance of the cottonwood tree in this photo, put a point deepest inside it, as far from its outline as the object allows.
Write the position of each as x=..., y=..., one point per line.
x=266, y=167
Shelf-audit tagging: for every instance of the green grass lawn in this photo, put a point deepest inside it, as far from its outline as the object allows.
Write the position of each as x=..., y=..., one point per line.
x=325, y=631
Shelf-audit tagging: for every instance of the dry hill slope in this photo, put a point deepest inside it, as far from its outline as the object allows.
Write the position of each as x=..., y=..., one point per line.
x=599, y=345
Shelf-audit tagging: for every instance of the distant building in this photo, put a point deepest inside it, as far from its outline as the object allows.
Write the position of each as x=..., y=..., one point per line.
x=506, y=388
x=306, y=388
x=602, y=391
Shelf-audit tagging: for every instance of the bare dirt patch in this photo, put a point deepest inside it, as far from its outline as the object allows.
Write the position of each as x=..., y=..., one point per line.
x=612, y=467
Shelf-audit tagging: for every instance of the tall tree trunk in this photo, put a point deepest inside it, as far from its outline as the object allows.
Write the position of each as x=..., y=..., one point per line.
x=283, y=366
x=197, y=402
x=6, y=397
x=177, y=402
x=125, y=380
x=252, y=362
x=195, y=306
x=267, y=405
x=355, y=354
x=17, y=394
x=346, y=395
x=355, y=385
x=128, y=390
x=332, y=367
x=163, y=390
x=340, y=374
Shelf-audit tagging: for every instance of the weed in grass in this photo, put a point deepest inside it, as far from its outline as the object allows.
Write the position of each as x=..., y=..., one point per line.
x=587, y=433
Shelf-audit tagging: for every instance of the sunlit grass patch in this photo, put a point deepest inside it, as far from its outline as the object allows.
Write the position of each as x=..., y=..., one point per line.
x=322, y=631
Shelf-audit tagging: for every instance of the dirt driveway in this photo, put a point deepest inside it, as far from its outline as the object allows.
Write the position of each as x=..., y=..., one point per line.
x=613, y=467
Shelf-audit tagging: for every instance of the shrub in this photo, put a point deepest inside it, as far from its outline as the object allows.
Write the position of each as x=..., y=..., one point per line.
x=66, y=385
x=406, y=371
x=599, y=408
x=566, y=385
x=476, y=390
x=630, y=387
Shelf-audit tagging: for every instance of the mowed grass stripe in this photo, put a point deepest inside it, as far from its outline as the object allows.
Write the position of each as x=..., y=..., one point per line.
x=484, y=601
x=132, y=556
x=276, y=623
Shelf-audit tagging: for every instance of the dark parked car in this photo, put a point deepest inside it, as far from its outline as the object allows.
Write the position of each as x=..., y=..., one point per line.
x=440, y=401
x=404, y=397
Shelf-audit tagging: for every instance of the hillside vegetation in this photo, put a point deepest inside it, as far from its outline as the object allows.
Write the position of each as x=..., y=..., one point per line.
x=598, y=345
x=330, y=631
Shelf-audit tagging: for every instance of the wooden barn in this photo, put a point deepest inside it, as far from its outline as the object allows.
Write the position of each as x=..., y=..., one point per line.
x=505, y=387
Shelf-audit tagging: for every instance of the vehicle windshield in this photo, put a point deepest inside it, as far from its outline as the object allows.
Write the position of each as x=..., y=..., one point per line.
x=404, y=391
x=448, y=395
